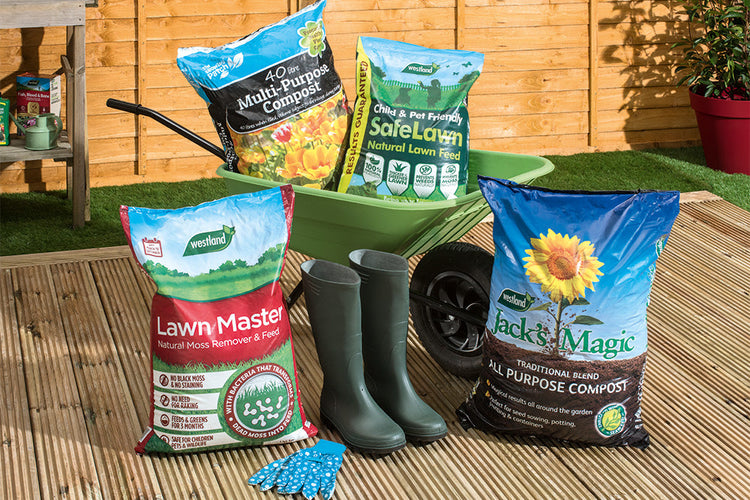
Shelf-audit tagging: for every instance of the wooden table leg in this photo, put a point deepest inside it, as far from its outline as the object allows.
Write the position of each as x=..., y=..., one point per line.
x=77, y=128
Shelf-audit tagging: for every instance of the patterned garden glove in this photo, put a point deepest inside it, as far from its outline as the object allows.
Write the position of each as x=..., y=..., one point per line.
x=310, y=470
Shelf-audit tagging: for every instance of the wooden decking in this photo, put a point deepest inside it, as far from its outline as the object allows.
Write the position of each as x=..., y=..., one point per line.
x=74, y=361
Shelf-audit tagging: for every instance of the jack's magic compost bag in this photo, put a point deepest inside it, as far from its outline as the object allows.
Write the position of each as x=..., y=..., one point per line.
x=223, y=367
x=565, y=343
x=276, y=100
x=409, y=136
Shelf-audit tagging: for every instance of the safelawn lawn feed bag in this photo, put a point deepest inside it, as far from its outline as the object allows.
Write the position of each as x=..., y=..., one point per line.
x=221, y=348
x=409, y=136
x=275, y=99
x=565, y=340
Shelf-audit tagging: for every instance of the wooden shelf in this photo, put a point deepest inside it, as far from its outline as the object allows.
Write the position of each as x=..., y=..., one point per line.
x=17, y=152
x=74, y=151
x=42, y=13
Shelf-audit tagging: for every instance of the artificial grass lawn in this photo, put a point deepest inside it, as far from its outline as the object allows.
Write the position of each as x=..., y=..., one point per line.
x=41, y=222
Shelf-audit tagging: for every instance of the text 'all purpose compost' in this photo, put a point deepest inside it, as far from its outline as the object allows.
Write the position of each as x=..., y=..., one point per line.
x=221, y=348
x=566, y=339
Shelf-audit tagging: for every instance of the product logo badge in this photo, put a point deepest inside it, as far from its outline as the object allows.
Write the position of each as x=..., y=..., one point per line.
x=421, y=69
x=259, y=403
x=210, y=241
x=312, y=37
x=611, y=419
x=152, y=248
x=515, y=300
x=223, y=68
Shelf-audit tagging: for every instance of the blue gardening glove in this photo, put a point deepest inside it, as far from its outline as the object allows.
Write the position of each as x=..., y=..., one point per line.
x=310, y=470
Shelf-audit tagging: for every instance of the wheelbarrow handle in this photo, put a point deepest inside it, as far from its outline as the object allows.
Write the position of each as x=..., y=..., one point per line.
x=138, y=109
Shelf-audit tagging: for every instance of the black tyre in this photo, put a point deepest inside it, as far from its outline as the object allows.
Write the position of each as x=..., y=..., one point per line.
x=458, y=275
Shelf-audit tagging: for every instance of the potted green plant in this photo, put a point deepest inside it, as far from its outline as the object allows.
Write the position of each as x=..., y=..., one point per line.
x=716, y=63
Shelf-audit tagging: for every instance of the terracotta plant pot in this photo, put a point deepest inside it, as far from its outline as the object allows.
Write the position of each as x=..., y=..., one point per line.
x=724, y=126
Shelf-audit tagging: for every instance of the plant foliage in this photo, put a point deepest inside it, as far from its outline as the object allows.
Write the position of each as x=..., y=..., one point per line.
x=716, y=51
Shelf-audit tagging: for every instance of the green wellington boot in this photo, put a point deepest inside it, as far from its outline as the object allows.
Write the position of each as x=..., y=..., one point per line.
x=385, y=322
x=333, y=304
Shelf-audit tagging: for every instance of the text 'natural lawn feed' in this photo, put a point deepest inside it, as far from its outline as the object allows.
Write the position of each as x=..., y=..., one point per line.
x=276, y=100
x=222, y=357
x=409, y=136
x=566, y=335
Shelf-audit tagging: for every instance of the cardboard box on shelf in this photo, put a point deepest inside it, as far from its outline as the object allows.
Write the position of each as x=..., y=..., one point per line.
x=37, y=94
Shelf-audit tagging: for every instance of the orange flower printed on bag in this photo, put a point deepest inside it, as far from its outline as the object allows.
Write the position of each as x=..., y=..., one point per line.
x=311, y=164
x=334, y=131
x=299, y=150
x=318, y=163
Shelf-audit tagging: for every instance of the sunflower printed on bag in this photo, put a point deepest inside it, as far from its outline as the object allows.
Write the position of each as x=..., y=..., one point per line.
x=564, y=266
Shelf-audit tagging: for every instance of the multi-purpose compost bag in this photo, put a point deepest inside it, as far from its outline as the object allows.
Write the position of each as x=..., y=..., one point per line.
x=409, y=136
x=223, y=369
x=565, y=340
x=275, y=99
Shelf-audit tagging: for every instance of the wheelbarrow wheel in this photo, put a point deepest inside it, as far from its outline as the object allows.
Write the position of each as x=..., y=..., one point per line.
x=456, y=275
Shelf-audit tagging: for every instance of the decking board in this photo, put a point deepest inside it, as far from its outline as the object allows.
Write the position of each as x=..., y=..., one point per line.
x=19, y=473
x=106, y=400
x=64, y=454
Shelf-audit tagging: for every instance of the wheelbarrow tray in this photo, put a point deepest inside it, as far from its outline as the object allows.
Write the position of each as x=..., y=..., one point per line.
x=328, y=225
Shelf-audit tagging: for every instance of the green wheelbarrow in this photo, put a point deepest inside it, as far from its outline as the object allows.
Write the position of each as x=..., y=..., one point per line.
x=450, y=285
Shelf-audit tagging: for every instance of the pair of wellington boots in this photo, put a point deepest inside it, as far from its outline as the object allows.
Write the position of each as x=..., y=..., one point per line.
x=359, y=317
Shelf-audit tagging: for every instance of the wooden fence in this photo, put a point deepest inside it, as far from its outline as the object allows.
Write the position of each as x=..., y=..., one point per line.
x=560, y=76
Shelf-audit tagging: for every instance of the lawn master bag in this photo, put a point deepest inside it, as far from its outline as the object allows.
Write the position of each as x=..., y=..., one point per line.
x=223, y=368
x=565, y=341
x=275, y=100
x=409, y=136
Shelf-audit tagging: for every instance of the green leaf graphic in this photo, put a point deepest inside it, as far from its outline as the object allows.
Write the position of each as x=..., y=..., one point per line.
x=578, y=301
x=611, y=419
x=582, y=319
x=541, y=307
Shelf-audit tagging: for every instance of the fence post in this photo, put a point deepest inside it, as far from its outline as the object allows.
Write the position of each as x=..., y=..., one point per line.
x=593, y=73
x=460, y=23
x=141, y=121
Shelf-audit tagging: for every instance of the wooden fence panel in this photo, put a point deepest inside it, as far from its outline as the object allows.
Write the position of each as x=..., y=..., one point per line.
x=552, y=83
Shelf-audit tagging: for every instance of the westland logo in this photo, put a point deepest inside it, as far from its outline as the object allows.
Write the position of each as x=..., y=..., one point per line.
x=421, y=69
x=515, y=300
x=210, y=241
